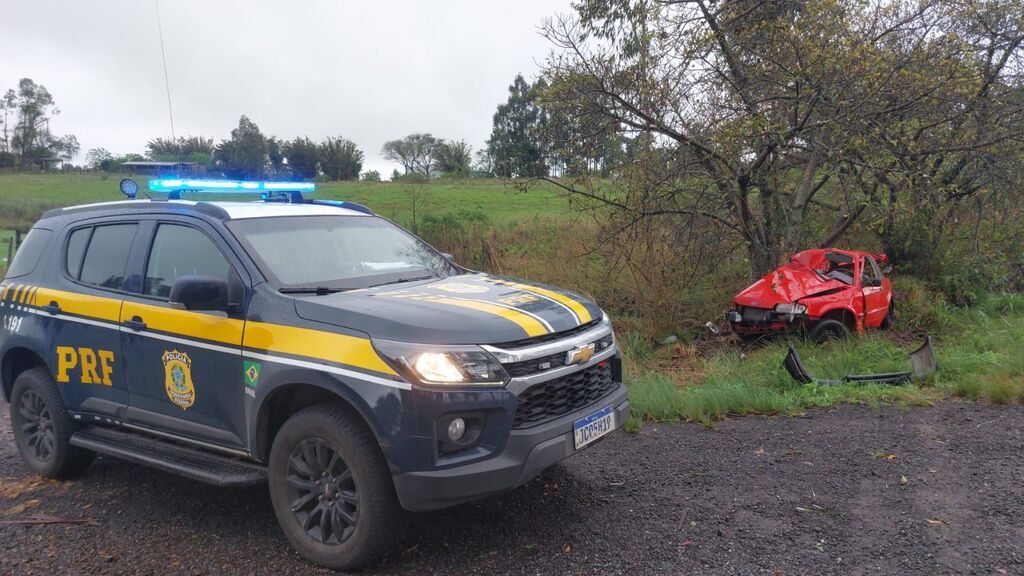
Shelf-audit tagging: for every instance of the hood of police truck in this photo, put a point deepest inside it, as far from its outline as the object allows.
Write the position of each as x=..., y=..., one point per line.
x=462, y=309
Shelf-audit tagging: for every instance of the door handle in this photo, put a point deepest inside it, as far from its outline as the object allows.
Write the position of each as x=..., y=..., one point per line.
x=53, y=308
x=135, y=323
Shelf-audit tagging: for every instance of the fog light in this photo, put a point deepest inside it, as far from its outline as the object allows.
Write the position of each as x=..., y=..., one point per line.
x=456, y=429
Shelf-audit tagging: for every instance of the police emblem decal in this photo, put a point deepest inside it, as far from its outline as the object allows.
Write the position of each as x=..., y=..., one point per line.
x=178, y=379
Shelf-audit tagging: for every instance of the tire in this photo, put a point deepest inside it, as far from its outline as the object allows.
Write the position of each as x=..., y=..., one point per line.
x=829, y=329
x=890, y=316
x=42, y=427
x=355, y=485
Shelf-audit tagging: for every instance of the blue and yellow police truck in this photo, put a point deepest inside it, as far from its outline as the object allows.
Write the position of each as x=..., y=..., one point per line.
x=306, y=344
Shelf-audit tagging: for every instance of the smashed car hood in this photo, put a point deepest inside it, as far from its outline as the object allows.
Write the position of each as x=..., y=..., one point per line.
x=788, y=283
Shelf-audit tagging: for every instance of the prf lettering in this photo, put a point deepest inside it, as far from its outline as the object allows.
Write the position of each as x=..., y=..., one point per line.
x=94, y=366
x=518, y=299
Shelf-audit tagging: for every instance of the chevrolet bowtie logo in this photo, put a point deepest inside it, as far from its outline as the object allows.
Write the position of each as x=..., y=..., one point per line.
x=579, y=355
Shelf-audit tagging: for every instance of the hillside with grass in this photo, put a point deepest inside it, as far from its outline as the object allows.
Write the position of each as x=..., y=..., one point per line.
x=676, y=370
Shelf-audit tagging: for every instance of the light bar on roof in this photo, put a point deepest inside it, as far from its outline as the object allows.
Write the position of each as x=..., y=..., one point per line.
x=232, y=186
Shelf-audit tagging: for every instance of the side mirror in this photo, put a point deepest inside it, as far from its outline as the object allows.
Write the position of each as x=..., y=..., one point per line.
x=199, y=292
x=887, y=270
x=448, y=257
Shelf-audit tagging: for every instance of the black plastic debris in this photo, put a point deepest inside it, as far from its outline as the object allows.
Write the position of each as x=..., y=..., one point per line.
x=922, y=362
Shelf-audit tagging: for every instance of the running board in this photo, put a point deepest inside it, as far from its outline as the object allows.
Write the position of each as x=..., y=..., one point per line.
x=170, y=457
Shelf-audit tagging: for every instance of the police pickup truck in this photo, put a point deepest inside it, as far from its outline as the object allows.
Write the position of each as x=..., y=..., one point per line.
x=307, y=344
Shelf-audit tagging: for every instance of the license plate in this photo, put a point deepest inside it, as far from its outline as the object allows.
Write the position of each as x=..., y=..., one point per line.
x=588, y=429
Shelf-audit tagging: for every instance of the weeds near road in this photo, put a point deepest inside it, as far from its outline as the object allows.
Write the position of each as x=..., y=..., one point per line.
x=980, y=353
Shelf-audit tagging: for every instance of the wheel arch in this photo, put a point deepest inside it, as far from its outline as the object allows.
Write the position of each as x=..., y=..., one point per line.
x=17, y=359
x=845, y=315
x=295, y=392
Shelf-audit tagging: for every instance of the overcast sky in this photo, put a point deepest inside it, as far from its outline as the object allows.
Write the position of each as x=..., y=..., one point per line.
x=369, y=70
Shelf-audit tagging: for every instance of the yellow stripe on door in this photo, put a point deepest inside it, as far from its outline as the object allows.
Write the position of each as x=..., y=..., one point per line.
x=315, y=344
x=186, y=323
x=97, y=307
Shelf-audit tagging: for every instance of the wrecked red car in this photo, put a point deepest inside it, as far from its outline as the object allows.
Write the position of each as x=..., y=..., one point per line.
x=827, y=292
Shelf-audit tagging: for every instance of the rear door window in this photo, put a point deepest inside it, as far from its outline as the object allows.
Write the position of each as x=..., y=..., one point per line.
x=106, y=257
x=28, y=254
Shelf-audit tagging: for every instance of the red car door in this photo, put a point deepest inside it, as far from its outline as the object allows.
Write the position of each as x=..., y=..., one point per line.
x=876, y=292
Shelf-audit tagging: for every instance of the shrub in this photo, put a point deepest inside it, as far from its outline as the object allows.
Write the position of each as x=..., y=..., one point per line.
x=918, y=308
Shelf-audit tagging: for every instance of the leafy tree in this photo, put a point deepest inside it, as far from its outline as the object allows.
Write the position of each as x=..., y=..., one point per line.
x=35, y=106
x=415, y=153
x=340, y=159
x=65, y=147
x=371, y=176
x=30, y=139
x=114, y=164
x=8, y=103
x=453, y=157
x=184, y=149
x=515, y=145
x=395, y=175
x=303, y=157
x=245, y=154
x=275, y=154
x=482, y=166
x=746, y=117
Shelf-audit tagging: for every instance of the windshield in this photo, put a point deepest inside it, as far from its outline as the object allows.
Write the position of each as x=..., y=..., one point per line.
x=337, y=252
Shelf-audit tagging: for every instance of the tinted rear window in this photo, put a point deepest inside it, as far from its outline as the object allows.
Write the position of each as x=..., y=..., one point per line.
x=28, y=254
x=106, y=258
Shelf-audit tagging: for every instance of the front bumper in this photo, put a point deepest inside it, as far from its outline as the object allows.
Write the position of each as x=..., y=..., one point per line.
x=763, y=321
x=527, y=453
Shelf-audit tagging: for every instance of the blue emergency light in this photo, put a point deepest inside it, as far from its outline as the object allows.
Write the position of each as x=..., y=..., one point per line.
x=227, y=186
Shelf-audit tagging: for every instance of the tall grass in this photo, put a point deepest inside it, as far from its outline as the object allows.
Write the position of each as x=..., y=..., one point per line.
x=980, y=353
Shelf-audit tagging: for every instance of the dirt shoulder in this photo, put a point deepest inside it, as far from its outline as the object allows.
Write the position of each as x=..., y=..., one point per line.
x=821, y=494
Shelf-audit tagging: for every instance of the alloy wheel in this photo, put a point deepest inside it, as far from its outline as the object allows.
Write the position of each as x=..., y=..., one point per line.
x=37, y=426
x=322, y=492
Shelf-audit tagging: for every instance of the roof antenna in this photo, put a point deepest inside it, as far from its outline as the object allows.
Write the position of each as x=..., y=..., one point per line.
x=167, y=82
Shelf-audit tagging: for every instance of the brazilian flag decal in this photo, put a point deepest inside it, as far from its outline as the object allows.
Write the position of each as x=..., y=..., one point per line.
x=252, y=373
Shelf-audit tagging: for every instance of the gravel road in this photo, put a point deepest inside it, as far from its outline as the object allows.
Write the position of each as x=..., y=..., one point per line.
x=846, y=491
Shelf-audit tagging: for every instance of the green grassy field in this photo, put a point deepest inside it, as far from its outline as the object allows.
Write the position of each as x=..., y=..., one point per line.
x=23, y=197
x=980, y=349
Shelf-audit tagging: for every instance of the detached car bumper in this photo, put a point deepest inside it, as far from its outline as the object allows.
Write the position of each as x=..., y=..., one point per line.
x=528, y=452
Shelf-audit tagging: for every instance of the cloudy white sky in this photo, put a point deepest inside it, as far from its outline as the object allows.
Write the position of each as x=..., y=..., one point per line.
x=367, y=70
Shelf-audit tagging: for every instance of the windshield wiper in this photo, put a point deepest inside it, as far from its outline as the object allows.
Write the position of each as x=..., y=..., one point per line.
x=403, y=280
x=318, y=290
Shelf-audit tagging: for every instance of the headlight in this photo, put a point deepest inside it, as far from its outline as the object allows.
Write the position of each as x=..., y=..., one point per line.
x=443, y=365
x=790, y=308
